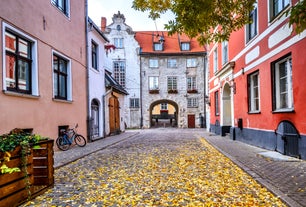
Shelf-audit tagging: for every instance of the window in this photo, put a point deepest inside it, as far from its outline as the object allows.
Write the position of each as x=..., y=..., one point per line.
x=185, y=46
x=171, y=63
x=153, y=83
x=172, y=83
x=191, y=62
x=119, y=72
x=224, y=52
x=118, y=42
x=277, y=6
x=20, y=71
x=251, y=29
x=94, y=55
x=62, y=5
x=192, y=102
x=253, y=92
x=134, y=102
x=18, y=63
x=191, y=83
x=215, y=60
x=163, y=106
x=217, y=103
x=61, y=77
x=282, y=84
x=158, y=46
x=153, y=63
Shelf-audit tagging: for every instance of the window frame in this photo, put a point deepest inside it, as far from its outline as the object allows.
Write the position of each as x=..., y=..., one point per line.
x=33, y=90
x=253, y=101
x=185, y=46
x=164, y=106
x=276, y=85
x=134, y=103
x=94, y=55
x=153, y=83
x=191, y=62
x=215, y=60
x=153, y=63
x=171, y=83
x=191, y=83
x=192, y=103
x=273, y=13
x=68, y=84
x=118, y=42
x=120, y=72
x=251, y=30
x=225, y=52
x=65, y=10
x=157, y=46
x=217, y=109
x=171, y=63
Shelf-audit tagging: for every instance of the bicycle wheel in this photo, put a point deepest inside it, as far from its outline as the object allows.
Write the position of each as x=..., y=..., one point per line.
x=62, y=143
x=80, y=140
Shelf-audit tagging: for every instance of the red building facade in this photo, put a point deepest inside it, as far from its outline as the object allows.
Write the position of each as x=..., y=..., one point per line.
x=257, y=82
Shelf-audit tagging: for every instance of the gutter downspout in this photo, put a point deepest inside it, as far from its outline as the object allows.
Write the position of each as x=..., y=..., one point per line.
x=87, y=72
x=140, y=74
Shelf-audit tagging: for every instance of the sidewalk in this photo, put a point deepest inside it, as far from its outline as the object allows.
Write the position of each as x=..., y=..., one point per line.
x=282, y=175
x=62, y=158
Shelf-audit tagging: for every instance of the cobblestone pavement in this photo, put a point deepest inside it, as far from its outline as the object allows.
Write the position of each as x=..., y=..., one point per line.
x=285, y=179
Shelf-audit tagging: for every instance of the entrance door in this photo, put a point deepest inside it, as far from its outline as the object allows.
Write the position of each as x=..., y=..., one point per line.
x=114, y=115
x=191, y=121
x=95, y=119
x=287, y=141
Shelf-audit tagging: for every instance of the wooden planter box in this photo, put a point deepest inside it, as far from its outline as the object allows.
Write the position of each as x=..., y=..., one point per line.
x=43, y=163
x=13, y=189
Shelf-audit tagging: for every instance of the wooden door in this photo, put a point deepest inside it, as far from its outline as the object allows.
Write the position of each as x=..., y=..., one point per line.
x=191, y=121
x=114, y=115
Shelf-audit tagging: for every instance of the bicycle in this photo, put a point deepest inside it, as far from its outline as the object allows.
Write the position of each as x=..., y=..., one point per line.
x=67, y=137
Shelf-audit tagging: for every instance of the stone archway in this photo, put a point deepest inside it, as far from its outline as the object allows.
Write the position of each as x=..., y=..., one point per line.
x=162, y=117
x=226, y=109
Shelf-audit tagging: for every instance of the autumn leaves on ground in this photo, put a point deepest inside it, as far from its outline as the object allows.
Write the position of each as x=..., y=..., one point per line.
x=155, y=172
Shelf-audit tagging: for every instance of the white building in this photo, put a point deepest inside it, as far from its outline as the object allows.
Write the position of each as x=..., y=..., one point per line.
x=97, y=61
x=125, y=66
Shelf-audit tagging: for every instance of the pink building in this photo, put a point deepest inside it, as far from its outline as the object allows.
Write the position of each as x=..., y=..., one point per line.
x=257, y=82
x=43, y=59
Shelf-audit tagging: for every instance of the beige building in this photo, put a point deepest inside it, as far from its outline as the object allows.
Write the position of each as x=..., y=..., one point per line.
x=43, y=59
x=172, y=71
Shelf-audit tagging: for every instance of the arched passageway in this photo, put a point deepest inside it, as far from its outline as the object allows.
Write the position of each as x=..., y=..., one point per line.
x=163, y=113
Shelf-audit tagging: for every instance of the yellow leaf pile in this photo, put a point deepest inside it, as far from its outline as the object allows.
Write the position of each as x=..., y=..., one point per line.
x=189, y=173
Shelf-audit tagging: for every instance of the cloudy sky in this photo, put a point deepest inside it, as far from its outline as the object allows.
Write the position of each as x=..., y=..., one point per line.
x=139, y=21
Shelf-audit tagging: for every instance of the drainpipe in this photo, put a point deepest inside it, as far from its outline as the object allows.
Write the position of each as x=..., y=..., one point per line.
x=103, y=108
x=87, y=71
x=140, y=74
x=205, y=68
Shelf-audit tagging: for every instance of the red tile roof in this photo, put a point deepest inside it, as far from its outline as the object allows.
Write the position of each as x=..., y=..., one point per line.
x=171, y=43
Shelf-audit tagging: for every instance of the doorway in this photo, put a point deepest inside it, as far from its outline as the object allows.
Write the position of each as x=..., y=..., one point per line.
x=95, y=123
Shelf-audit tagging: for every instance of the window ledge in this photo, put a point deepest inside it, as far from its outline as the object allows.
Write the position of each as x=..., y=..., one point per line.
x=12, y=93
x=61, y=100
x=291, y=110
x=254, y=112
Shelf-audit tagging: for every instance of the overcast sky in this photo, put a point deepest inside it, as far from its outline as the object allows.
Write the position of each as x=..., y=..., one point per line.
x=139, y=21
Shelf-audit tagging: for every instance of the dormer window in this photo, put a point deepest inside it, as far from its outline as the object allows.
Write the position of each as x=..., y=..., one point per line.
x=118, y=27
x=185, y=46
x=158, y=46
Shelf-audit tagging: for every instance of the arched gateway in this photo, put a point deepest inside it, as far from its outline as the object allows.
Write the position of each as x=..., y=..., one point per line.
x=163, y=113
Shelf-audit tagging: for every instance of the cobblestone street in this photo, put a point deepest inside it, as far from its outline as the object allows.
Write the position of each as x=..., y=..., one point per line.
x=160, y=167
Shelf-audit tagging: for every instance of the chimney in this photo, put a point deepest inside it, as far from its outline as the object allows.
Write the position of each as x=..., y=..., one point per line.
x=103, y=24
